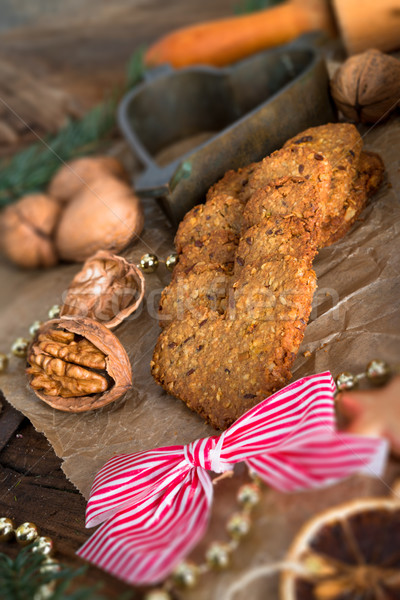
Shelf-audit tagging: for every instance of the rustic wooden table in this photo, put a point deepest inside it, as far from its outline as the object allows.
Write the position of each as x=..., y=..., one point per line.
x=86, y=56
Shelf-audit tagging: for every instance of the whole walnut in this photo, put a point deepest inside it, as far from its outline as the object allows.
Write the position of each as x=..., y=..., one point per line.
x=366, y=87
x=76, y=174
x=26, y=229
x=105, y=216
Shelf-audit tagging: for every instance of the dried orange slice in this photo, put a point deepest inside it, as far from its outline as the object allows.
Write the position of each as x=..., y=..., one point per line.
x=349, y=552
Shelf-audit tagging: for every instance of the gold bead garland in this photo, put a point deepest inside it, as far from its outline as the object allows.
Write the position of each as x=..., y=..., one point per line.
x=20, y=347
x=377, y=371
x=218, y=554
x=54, y=311
x=3, y=362
x=149, y=262
x=34, y=328
x=25, y=534
x=6, y=529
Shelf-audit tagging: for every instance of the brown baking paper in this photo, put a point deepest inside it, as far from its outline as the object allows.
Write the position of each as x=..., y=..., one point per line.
x=356, y=317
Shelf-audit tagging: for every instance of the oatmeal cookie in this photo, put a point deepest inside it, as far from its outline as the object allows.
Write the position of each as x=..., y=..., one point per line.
x=273, y=239
x=203, y=286
x=369, y=178
x=218, y=248
x=371, y=167
x=233, y=183
x=288, y=196
x=341, y=145
x=221, y=212
x=221, y=365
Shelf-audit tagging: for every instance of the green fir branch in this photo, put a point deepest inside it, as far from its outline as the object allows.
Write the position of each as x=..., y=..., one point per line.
x=31, y=169
x=22, y=579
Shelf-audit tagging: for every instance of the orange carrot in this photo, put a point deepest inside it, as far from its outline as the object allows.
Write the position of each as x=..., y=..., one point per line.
x=225, y=41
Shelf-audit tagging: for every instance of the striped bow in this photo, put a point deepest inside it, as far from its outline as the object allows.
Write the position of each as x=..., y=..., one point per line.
x=155, y=505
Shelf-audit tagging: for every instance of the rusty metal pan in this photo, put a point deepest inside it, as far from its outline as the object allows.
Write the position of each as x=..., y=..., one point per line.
x=248, y=110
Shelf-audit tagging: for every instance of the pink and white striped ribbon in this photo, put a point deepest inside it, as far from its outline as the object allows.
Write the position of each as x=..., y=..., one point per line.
x=155, y=505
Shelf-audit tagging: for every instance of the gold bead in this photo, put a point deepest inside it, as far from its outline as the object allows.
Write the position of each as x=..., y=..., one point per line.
x=45, y=592
x=50, y=566
x=148, y=263
x=378, y=372
x=43, y=545
x=34, y=328
x=54, y=311
x=238, y=525
x=249, y=495
x=185, y=575
x=6, y=529
x=3, y=362
x=218, y=555
x=20, y=347
x=346, y=381
x=26, y=533
x=171, y=261
x=158, y=594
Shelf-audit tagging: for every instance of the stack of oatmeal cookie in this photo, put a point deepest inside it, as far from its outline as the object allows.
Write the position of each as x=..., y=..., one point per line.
x=234, y=314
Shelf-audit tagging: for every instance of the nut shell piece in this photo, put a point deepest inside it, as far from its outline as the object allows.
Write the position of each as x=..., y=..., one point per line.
x=72, y=177
x=108, y=289
x=117, y=364
x=26, y=230
x=106, y=216
x=366, y=87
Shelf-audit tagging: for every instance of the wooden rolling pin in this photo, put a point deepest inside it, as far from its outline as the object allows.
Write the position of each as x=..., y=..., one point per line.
x=225, y=41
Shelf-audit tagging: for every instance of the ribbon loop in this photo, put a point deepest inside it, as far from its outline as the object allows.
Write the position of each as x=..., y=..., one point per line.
x=155, y=505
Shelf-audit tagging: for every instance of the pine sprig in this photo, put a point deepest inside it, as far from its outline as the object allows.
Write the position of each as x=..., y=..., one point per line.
x=22, y=579
x=30, y=170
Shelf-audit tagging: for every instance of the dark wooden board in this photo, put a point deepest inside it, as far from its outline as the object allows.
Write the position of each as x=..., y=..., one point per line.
x=34, y=488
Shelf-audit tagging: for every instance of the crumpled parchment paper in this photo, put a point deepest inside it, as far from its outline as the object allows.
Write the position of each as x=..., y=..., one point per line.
x=356, y=317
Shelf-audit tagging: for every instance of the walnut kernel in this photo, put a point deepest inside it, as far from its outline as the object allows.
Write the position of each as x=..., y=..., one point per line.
x=77, y=364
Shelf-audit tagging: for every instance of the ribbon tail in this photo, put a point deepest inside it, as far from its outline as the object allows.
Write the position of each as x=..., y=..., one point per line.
x=141, y=544
x=321, y=463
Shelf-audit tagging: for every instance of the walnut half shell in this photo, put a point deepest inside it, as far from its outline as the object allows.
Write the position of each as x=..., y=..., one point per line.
x=77, y=364
x=107, y=289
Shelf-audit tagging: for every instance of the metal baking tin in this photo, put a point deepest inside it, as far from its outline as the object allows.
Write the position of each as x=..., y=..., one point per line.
x=253, y=107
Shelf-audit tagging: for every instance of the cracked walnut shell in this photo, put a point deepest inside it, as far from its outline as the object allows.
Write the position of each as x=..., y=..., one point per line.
x=107, y=289
x=77, y=364
x=366, y=87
